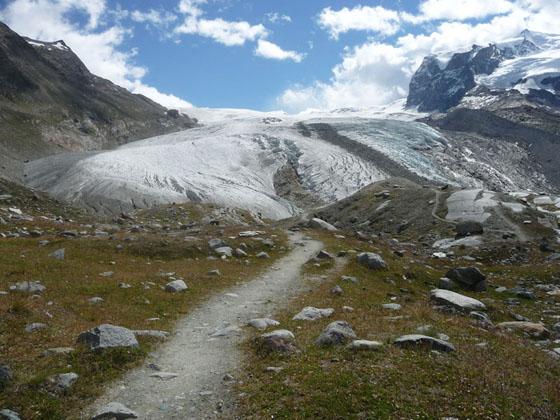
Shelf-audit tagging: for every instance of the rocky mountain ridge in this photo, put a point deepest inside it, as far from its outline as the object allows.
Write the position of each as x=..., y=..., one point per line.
x=50, y=103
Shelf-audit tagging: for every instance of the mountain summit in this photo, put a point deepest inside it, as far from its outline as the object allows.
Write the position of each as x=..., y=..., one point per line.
x=523, y=63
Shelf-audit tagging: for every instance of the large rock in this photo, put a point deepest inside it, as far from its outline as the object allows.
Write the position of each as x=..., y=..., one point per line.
x=108, y=336
x=456, y=300
x=216, y=243
x=372, y=261
x=309, y=313
x=115, y=410
x=469, y=228
x=419, y=340
x=176, y=286
x=533, y=329
x=224, y=251
x=337, y=332
x=469, y=278
x=316, y=223
x=63, y=381
x=278, y=341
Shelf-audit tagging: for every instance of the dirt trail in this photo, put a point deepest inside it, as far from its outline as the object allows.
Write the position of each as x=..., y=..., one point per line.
x=200, y=359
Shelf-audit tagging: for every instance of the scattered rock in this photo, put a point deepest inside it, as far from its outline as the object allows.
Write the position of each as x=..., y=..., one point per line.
x=349, y=279
x=316, y=223
x=28, y=287
x=6, y=414
x=418, y=340
x=337, y=290
x=215, y=273
x=224, y=251
x=456, y=300
x=239, y=253
x=337, y=332
x=309, y=313
x=57, y=351
x=324, y=255
x=59, y=254
x=115, y=410
x=534, y=330
x=372, y=261
x=347, y=309
x=468, y=228
x=359, y=345
x=216, y=243
x=95, y=300
x=278, y=341
x=164, y=376
x=35, y=326
x=469, y=278
x=108, y=336
x=176, y=286
x=63, y=381
x=392, y=306
x=263, y=323
x=5, y=375
x=263, y=255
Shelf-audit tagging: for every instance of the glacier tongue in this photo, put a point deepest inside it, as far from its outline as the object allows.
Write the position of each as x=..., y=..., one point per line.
x=228, y=162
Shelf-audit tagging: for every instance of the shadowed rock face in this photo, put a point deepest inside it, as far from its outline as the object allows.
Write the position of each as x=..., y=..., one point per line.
x=50, y=102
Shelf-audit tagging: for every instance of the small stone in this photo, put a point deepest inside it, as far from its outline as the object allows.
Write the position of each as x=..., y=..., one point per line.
x=215, y=273
x=239, y=253
x=534, y=330
x=5, y=375
x=273, y=369
x=107, y=274
x=263, y=323
x=115, y=410
x=359, y=345
x=263, y=255
x=35, y=326
x=337, y=290
x=95, y=300
x=392, y=306
x=278, y=341
x=224, y=251
x=59, y=254
x=324, y=255
x=418, y=340
x=347, y=309
x=176, y=286
x=55, y=351
x=337, y=332
x=63, y=381
x=310, y=313
x=371, y=260
x=317, y=223
x=349, y=279
x=216, y=243
x=31, y=287
x=164, y=376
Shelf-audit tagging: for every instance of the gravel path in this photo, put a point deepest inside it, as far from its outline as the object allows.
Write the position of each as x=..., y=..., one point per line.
x=198, y=357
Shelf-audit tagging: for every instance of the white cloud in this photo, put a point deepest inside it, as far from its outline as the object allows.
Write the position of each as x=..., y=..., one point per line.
x=360, y=18
x=267, y=49
x=275, y=17
x=98, y=46
x=463, y=9
x=378, y=73
x=152, y=16
x=222, y=31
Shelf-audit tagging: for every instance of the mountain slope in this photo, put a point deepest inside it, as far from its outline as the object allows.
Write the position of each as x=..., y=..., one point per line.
x=529, y=64
x=50, y=102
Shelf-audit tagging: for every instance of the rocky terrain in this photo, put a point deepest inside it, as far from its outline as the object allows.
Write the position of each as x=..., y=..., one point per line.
x=50, y=103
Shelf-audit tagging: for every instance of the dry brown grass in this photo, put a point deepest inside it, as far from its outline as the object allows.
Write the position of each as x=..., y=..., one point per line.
x=64, y=306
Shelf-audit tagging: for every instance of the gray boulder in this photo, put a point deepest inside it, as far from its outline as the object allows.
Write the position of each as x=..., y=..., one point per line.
x=5, y=375
x=6, y=414
x=35, y=326
x=108, y=336
x=115, y=410
x=63, y=381
x=176, y=286
x=216, y=243
x=468, y=228
x=316, y=223
x=337, y=332
x=419, y=340
x=224, y=251
x=324, y=255
x=468, y=278
x=309, y=313
x=278, y=341
x=456, y=300
x=372, y=261
x=263, y=255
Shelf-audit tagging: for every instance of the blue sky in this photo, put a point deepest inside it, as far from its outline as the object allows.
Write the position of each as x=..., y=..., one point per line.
x=289, y=54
